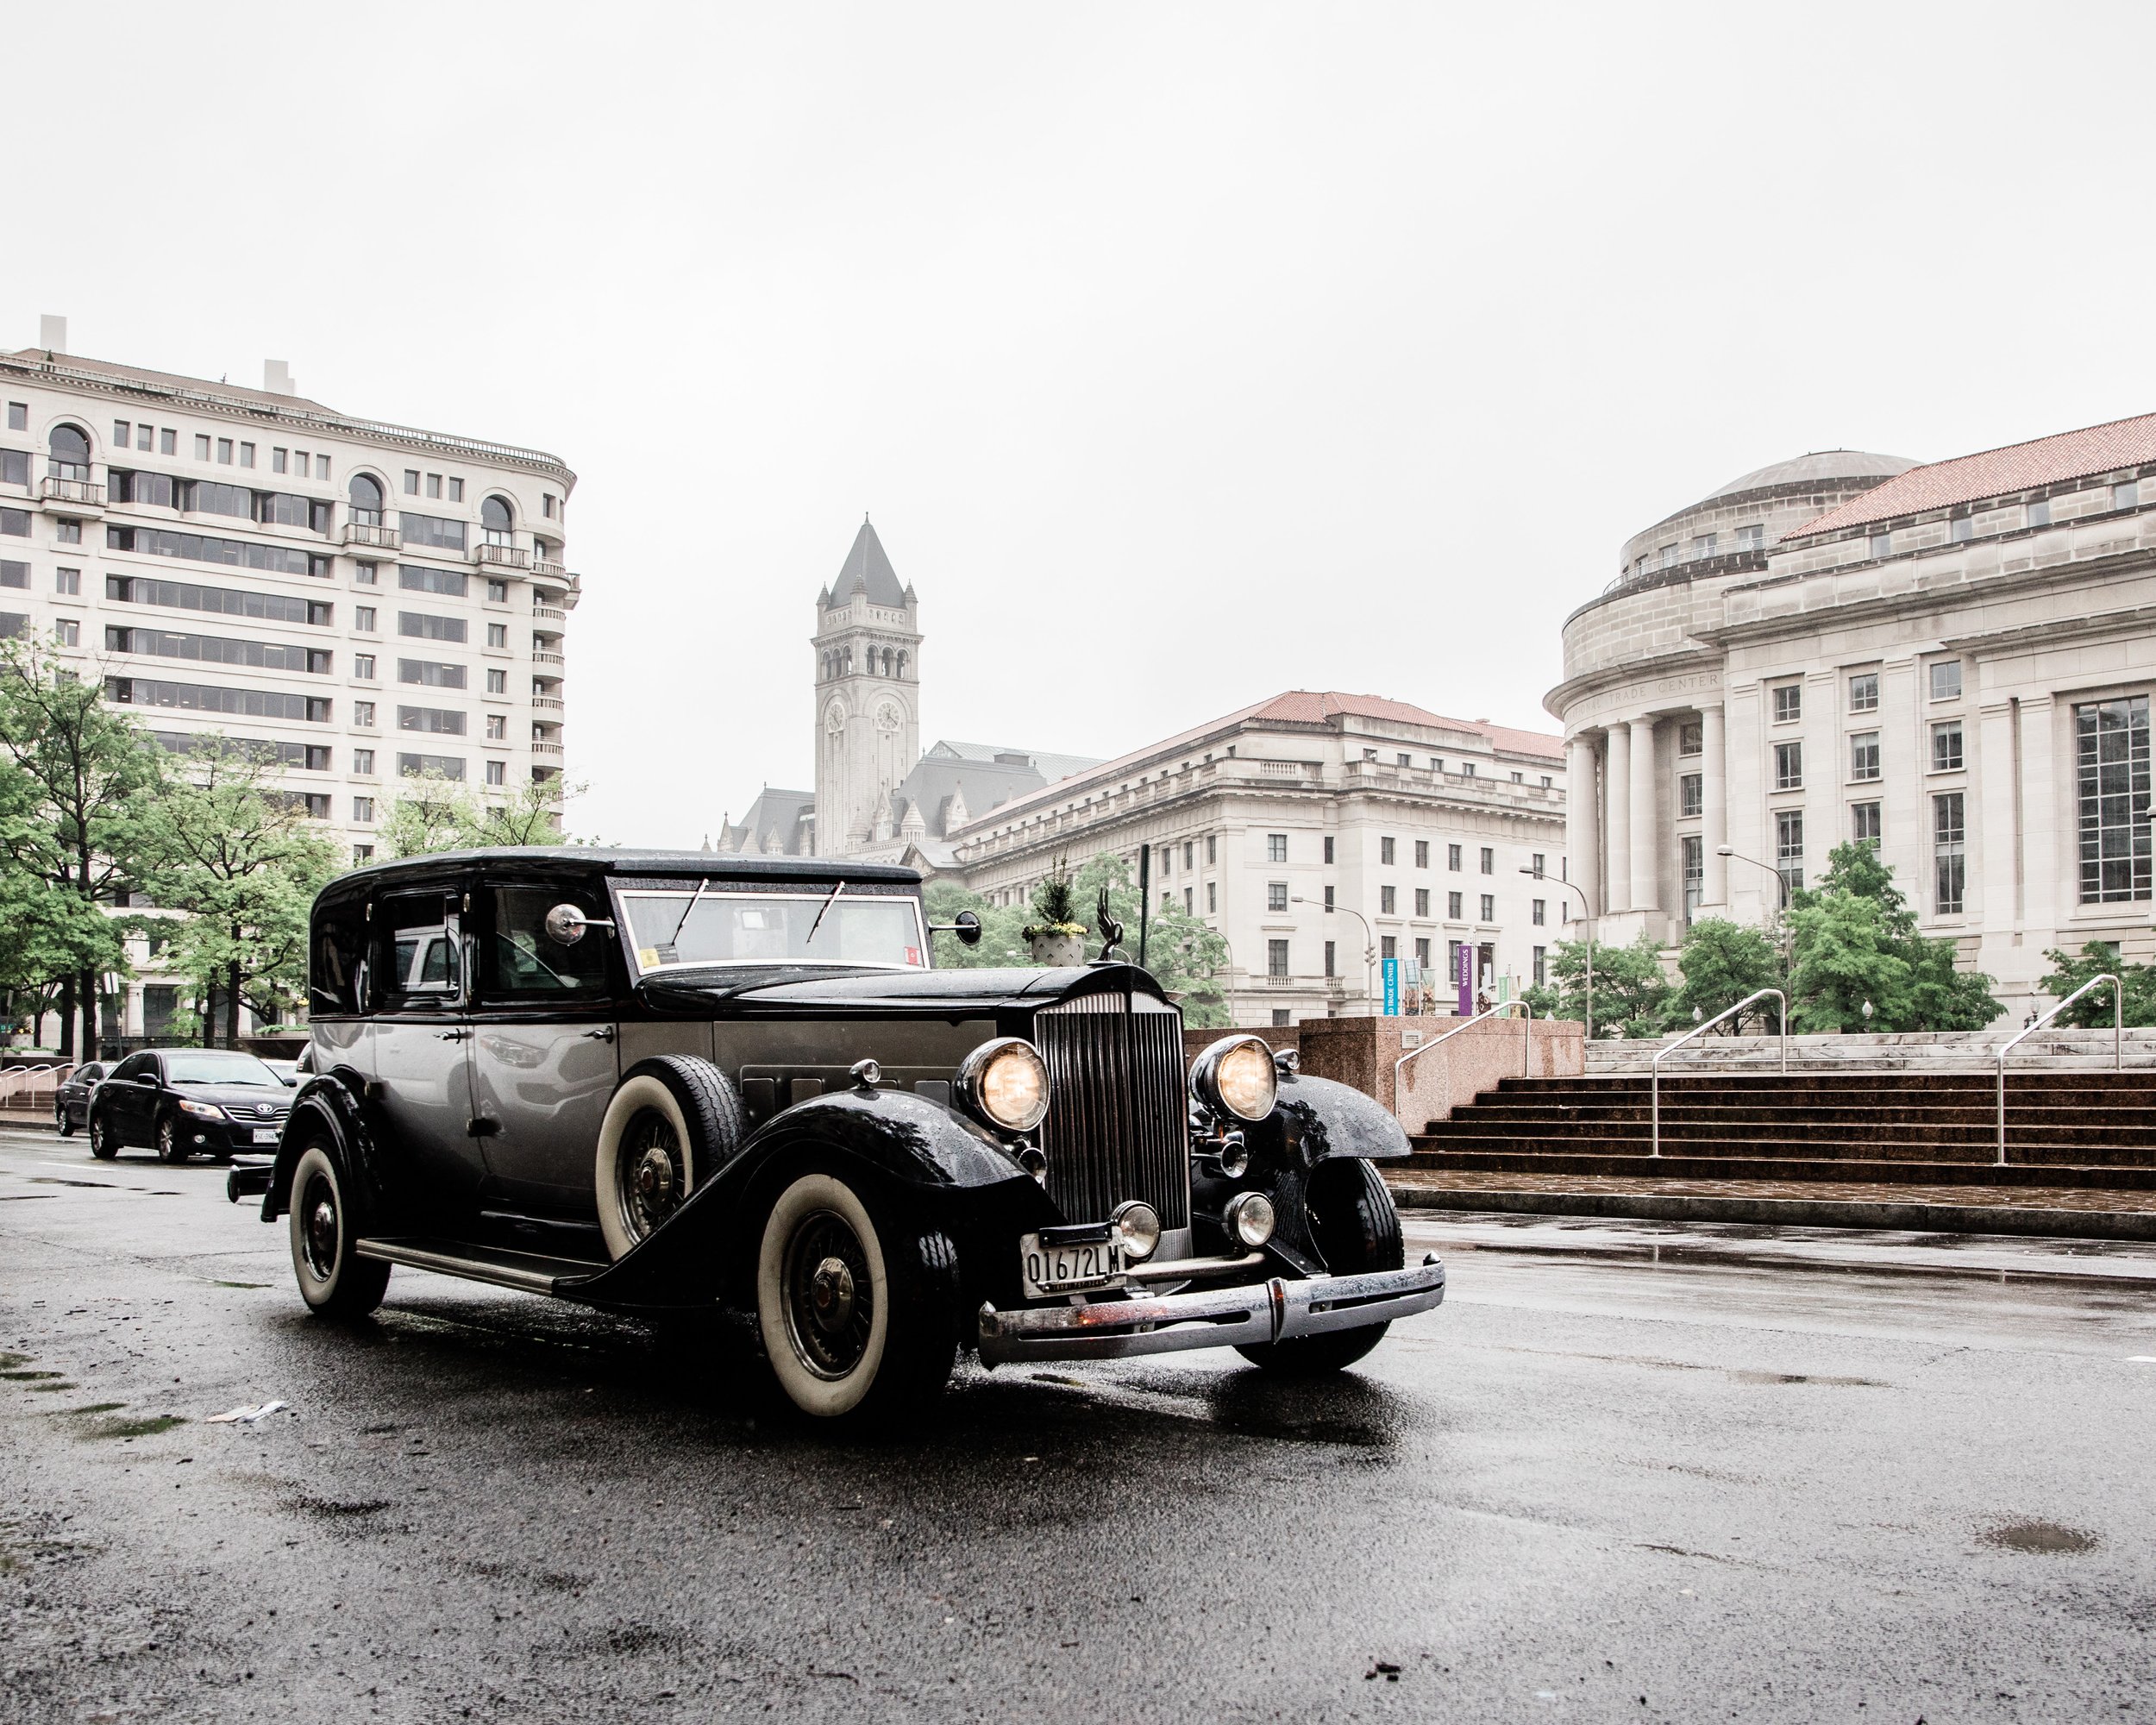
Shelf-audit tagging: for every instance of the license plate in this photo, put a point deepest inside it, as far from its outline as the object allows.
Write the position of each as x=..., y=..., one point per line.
x=266, y=1134
x=1066, y=1268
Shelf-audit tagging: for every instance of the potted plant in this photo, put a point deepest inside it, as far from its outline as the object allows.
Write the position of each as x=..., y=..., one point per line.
x=1056, y=934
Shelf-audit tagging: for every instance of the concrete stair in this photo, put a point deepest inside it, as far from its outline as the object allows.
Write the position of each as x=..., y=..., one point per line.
x=2078, y=1128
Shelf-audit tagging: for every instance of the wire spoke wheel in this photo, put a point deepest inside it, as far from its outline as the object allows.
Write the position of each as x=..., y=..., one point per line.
x=651, y=1174
x=830, y=1295
x=319, y=1225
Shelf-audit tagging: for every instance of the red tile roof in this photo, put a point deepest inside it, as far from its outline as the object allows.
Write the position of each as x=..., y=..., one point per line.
x=1997, y=472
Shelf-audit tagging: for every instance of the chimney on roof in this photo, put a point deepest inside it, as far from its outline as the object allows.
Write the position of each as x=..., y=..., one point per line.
x=52, y=333
x=276, y=378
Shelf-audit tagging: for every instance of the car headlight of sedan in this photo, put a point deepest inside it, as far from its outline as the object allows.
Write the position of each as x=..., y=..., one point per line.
x=1004, y=1085
x=1235, y=1077
x=201, y=1110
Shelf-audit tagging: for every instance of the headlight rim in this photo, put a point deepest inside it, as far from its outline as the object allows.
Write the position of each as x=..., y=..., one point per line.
x=1125, y=1210
x=967, y=1084
x=1245, y=1203
x=1205, y=1080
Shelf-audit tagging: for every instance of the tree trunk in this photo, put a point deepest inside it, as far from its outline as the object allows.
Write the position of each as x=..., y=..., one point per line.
x=87, y=990
x=232, y=1004
x=66, y=1017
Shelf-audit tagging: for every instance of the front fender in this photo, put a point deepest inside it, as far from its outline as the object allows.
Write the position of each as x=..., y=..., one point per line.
x=332, y=1103
x=1317, y=1120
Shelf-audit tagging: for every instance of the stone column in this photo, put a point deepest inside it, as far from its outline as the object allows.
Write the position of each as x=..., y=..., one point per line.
x=1647, y=871
x=1617, y=818
x=1713, y=808
x=1582, y=823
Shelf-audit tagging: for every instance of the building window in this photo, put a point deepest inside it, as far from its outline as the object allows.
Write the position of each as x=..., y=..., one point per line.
x=1947, y=746
x=1963, y=529
x=202, y=447
x=2127, y=494
x=1703, y=545
x=67, y=581
x=1949, y=859
x=1422, y=901
x=1190, y=900
x=1789, y=766
x=1883, y=544
x=1539, y=912
x=2039, y=513
x=497, y=772
x=456, y=490
x=1388, y=946
x=362, y=713
x=412, y=482
x=363, y=808
x=363, y=665
x=1422, y=957
x=362, y=853
x=1946, y=679
x=1403, y=760
x=497, y=727
x=1385, y=852
x=69, y=532
x=1452, y=902
x=1490, y=861
x=1692, y=869
x=2111, y=774
x=67, y=632
x=1330, y=959
x=1489, y=908
x=498, y=635
x=1863, y=823
x=1281, y=1018
x=1389, y=901
x=363, y=760
x=366, y=575
x=1212, y=853
x=1789, y=703
x=1452, y=857
x=18, y=416
x=1542, y=967
x=1213, y=897
x=498, y=682
x=1789, y=848
x=1691, y=796
x=1864, y=756
x=1277, y=895
x=1863, y=691
x=363, y=618
x=1691, y=738
x=1422, y=853
x=1190, y=856
x=1276, y=958
x=1276, y=847
x=496, y=591
x=1328, y=898
x=1535, y=865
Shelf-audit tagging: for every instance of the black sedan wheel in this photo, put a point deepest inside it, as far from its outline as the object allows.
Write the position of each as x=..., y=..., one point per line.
x=102, y=1144
x=170, y=1146
x=334, y=1280
x=63, y=1119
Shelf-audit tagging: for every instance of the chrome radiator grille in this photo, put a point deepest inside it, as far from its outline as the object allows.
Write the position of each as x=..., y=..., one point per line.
x=1116, y=1120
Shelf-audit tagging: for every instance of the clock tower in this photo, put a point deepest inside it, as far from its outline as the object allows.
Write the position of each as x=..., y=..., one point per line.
x=868, y=645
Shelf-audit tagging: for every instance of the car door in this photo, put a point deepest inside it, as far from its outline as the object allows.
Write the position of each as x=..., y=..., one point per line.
x=128, y=1097
x=418, y=1041
x=544, y=1038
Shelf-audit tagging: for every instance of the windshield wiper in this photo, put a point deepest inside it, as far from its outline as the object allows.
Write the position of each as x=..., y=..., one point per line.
x=684, y=922
x=827, y=904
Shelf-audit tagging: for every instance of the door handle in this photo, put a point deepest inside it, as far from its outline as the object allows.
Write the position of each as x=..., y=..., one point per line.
x=603, y=1034
x=453, y=1035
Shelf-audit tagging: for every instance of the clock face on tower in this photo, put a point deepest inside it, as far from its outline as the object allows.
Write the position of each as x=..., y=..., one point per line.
x=887, y=719
x=834, y=718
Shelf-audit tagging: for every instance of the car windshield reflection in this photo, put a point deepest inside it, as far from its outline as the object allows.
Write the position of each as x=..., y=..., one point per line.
x=217, y=1066
x=667, y=931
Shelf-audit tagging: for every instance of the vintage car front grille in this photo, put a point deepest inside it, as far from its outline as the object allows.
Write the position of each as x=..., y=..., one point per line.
x=1116, y=1125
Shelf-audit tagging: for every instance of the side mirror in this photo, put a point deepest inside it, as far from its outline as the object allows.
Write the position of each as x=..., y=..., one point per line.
x=967, y=927
x=566, y=925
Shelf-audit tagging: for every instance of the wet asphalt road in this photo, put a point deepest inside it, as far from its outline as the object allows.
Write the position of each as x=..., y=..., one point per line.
x=1627, y=1471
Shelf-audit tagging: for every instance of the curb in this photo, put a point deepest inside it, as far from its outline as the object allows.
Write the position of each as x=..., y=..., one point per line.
x=1796, y=1212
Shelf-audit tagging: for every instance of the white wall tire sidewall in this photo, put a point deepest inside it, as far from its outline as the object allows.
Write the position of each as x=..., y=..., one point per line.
x=318, y=1291
x=641, y=1092
x=823, y=1398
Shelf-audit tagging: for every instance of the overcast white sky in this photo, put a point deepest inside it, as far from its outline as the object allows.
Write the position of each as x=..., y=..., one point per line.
x=1182, y=354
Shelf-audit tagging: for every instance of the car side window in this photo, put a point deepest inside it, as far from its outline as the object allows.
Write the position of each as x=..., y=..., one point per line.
x=524, y=963
x=419, y=956
x=135, y=1066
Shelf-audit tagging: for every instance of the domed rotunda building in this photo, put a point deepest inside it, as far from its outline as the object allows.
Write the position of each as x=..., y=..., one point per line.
x=1953, y=661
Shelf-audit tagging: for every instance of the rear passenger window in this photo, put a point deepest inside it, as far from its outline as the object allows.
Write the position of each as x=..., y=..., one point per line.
x=336, y=968
x=417, y=949
x=525, y=962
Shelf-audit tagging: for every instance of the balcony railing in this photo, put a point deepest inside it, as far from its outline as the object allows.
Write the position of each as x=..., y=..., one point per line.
x=501, y=556
x=370, y=534
x=546, y=570
x=86, y=493
x=540, y=656
x=538, y=747
x=552, y=613
x=547, y=703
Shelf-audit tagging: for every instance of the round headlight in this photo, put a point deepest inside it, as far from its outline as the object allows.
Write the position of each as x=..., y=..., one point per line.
x=1250, y=1218
x=1004, y=1085
x=1137, y=1225
x=1235, y=1076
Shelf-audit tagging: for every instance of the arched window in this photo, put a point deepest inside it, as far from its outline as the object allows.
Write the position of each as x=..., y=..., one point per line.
x=71, y=453
x=366, y=500
x=901, y=668
x=496, y=521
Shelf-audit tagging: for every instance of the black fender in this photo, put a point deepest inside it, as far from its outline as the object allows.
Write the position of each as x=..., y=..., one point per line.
x=952, y=1176
x=334, y=1102
x=1314, y=1120
x=1319, y=1119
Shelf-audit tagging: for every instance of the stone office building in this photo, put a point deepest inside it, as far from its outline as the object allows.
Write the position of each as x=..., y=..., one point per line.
x=1953, y=661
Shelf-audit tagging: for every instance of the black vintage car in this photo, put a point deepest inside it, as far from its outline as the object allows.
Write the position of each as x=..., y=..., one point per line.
x=188, y=1101
x=675, y=1084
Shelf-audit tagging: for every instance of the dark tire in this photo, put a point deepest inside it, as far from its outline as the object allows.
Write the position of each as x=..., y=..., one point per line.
x=1357, y=1229
x=674, y=1121
x=102, y=1144
x=858, y=1306
x=170, y=1146
x=334, y=1281
x=61, y=1119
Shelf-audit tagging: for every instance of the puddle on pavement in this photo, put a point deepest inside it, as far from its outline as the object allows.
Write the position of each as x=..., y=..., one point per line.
x=2038, y=1536
x=146, y=1426
x=335, y=1509
x=217, y=1283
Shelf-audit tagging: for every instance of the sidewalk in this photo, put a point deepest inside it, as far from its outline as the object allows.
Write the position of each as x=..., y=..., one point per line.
x=2057, y=1210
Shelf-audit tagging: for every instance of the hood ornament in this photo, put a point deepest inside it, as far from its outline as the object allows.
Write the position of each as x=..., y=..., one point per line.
x=1109, y=930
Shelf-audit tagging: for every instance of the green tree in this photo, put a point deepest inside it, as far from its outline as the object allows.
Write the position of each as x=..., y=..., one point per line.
x=1001, y=944
x=431, y=813
x=1631, y=990
x=1185, y=954
x=1855, y=939
x=47, y=928
x=85, y=765
x=241, y=861
x=1721, y=962
x=2136, y=982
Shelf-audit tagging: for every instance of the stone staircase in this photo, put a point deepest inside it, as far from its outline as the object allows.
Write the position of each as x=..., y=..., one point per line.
x=2093, y=1129
x=2053, y=1047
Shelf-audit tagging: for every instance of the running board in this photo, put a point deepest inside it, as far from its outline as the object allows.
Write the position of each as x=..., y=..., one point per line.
x=529, y=1272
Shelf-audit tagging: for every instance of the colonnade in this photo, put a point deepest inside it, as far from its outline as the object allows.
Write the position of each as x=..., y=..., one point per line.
x=1618, y=819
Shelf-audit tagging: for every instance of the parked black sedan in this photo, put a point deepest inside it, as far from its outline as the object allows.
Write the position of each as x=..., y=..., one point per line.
x=184, y=1101
x=71, y=1103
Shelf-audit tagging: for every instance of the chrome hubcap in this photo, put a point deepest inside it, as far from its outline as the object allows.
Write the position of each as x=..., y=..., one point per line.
x=832, y=1296
x=651, y=1181
x=320, y=1231
x=830, y=1300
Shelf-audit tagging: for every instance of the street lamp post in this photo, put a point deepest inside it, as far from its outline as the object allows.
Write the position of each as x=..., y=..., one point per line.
x=1370, y=939
x=1587, y=916
x=1780, y=880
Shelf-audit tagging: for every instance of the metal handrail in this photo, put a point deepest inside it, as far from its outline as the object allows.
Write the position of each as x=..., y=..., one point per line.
x=1654, y=1086
x=1526, y=1036
x=2118, y=1041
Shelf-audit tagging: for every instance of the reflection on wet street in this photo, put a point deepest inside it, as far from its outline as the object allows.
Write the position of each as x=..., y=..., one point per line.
x=1628, y=1470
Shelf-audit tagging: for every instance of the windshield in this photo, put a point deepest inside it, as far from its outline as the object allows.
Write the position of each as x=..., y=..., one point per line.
x=216, y=1066
x=882, y=933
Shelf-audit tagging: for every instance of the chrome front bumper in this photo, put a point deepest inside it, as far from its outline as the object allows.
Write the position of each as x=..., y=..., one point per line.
x=1271, y=1311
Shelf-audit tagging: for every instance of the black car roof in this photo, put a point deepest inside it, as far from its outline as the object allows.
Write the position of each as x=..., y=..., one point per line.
x=556, y=859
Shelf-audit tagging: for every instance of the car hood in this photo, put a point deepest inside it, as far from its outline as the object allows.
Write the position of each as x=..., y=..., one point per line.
x=244, y=1098
x=903, y=991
